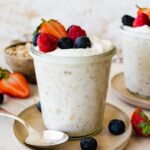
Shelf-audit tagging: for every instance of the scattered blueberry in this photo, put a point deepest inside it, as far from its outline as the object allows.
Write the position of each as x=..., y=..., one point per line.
x=39, y=106
x=116, y=126
x=128, y=20
x=34, y=39
x=82, y=42
x=1, y=98
x=65, y=43
x=88, y=143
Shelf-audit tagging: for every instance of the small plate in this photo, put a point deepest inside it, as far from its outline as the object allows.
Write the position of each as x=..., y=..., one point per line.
x=106, y=141
x=123, y=94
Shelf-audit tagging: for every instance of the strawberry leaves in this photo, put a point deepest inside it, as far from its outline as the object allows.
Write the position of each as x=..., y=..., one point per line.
x=145, y=128
x=4, y=73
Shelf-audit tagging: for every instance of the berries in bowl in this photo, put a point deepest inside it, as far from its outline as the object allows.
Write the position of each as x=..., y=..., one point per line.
x=18, y=59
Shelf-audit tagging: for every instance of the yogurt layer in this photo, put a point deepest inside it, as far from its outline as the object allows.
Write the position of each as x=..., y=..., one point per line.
x=98, y=47
x=136, y=55
x=142, y=29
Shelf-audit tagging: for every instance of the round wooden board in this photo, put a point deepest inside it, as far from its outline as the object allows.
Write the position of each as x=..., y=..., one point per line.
x=123, y=94
x=106, y=141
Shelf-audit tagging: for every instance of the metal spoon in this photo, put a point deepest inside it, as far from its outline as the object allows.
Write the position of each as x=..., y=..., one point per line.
x=44, y=139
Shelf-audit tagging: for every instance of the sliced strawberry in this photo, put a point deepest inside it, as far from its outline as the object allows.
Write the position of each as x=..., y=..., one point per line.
x=140, y=123
x=13, y=84
x=141, y=20
x=53, y=27
x=143, y=10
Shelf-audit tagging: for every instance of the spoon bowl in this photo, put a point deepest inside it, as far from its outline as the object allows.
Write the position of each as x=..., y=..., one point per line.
x=41, y=139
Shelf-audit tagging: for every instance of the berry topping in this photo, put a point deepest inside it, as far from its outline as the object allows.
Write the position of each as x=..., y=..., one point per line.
x=128, y=20
x=75, y=31
x=46, y=42
x=34, y=39
x=1, y=98
x=82, y=42
x=142, y=19
x=140, y=123
x=53, y=27
x=88, y=143
x=69, y=28
x=39, y=106
x=65, y=43
x=116, y=126
x=143, y=10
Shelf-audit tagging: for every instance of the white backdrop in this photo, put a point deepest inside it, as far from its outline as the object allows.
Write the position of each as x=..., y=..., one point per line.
x=98, y=17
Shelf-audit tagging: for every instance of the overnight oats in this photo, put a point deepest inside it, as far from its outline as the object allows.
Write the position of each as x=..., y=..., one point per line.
x=136, y=53
x=72, y=75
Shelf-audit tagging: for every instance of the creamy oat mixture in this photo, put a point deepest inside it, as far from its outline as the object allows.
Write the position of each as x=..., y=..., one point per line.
x=73, y=91
x=136, y=53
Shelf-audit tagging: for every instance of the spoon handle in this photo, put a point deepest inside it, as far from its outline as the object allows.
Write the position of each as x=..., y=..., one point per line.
x=5, y=113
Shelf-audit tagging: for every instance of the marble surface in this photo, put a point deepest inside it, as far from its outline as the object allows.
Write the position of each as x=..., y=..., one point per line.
x=98, y=17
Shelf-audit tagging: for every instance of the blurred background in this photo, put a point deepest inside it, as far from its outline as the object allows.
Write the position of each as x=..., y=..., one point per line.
x=18, y=18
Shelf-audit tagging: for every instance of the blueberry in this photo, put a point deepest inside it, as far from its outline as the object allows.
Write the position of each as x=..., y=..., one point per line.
x=128, y=20
x=88, y=143
x=39, y=106
x=34, y=39
x=82, y=42
x=1, y=98
x=65, y=43
x=116, y=126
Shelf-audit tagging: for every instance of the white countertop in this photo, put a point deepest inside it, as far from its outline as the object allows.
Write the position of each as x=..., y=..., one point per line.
x=9, y=142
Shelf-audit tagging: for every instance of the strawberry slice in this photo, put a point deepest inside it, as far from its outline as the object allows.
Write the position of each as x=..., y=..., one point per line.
x=13, y=84
x=141, y=20
x=53, y=27
x=143, y=10
x=140, y=123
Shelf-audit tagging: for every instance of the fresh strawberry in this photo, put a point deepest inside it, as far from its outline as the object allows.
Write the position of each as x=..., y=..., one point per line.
x=140, y=123
x=53, y=27
x=143, y=10
x=46, y=42
x=75, y=31
x=142, y=19
x=13, y=84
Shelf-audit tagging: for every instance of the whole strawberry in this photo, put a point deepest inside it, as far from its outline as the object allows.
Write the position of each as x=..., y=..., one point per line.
x=141, y=20
x=75, y=31
x=140, y=123
x=46, y=42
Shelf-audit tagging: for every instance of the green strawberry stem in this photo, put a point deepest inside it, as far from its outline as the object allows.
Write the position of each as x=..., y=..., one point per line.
x=138, y=7
x=38, y=27
x=145, y=124
x=43, y=20
x=4, y=73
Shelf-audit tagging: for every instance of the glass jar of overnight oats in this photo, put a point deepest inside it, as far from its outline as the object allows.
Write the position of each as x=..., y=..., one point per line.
x=136, y=55
x=72, y=87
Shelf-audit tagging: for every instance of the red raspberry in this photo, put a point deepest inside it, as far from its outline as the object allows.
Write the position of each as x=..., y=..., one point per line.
x=46, y=42
x=75, y=32
x=141, y=20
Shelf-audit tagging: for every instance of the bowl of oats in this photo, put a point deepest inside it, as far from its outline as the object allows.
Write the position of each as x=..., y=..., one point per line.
x=19, y=60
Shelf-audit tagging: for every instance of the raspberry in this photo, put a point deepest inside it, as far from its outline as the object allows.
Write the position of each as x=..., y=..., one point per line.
x=141, y=20
x=75, y=32
x=46, y=42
